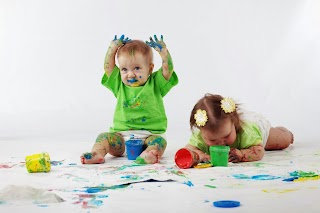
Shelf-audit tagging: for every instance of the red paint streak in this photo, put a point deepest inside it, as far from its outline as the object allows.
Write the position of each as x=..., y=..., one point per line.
x=3, y=166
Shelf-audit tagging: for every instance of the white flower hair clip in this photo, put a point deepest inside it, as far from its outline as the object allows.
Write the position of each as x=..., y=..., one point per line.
x=228, y=105
x=201, y=117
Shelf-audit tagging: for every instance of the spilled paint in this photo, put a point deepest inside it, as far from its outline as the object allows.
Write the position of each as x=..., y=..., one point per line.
x=56, y=163
x=178, y=172
x=128, y=166
x=298, y=176
x=209, y=186
x=264, y=177
x=104, y=188
x=4, y=166
x=188, y=183
x=303, y=174
x=132, y=177
x=43, y=205
x=279, y=191
x=256, y=177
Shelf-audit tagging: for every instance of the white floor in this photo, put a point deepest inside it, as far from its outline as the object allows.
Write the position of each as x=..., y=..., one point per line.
x=192, y=190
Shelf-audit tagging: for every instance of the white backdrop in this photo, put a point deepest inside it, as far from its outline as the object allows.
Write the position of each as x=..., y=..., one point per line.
x=265, y=54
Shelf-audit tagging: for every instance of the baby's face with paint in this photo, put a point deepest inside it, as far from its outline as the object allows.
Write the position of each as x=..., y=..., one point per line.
x=134, y=69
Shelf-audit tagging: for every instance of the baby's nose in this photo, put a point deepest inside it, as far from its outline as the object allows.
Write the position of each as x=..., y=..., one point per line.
x=131, y=74
x=222, y=142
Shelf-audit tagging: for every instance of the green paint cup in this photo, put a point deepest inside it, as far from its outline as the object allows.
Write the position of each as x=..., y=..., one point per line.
x=219, y=155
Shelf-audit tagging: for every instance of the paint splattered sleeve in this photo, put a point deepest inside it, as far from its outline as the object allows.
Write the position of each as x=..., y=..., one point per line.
x=164, y=85
x=197, y=141
x=113, y=81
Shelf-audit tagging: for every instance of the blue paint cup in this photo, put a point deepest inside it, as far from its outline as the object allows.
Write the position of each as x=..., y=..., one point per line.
x=134, y=148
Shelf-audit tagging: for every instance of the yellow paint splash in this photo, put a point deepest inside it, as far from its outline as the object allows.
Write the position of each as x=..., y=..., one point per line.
x=279, y=191
x=302, y=179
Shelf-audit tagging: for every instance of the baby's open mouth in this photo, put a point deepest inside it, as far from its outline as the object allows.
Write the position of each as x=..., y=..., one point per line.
x=133, y=80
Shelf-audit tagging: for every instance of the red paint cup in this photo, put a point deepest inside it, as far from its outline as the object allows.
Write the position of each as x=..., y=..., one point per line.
x=186, y=158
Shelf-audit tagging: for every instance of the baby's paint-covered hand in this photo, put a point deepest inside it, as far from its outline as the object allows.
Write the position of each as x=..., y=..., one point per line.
x=235, y=155
x=204, y=158
x=117, y=42
x=157, y=44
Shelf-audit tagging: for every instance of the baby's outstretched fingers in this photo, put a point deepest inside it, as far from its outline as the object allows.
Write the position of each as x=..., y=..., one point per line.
x=121, y=40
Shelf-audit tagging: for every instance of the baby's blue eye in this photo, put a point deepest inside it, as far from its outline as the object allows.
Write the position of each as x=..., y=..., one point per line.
x=137, y=68
x=124, y=69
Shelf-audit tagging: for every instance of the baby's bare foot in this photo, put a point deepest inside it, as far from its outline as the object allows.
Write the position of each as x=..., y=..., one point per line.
x=91, y=158
x=292, y=137
x=148, y=157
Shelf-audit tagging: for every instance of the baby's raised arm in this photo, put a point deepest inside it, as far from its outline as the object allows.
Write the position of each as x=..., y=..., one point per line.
x=161, y=48
x=110, y=61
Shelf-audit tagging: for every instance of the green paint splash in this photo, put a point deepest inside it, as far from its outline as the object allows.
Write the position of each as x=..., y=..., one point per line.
x=209, y=186
x=140, y=160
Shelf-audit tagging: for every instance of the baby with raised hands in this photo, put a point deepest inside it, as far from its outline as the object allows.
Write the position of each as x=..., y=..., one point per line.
x=219, y=121
x=139, y=112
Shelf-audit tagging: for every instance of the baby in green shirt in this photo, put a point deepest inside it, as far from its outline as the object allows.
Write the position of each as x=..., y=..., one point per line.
x=139, y=113
x=219, y=121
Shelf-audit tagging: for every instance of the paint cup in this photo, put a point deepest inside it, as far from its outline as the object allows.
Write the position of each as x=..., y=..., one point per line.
x=38, y=162
x=219, y=155
x=186, y=158
x=134, y=148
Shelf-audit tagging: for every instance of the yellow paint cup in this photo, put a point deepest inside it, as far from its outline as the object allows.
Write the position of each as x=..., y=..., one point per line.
x=38, y=162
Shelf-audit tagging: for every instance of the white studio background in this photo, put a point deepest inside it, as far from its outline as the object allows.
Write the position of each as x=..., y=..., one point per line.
x=264, y=54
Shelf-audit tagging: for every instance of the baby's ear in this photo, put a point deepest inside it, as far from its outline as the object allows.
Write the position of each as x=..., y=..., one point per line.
x=151, y=68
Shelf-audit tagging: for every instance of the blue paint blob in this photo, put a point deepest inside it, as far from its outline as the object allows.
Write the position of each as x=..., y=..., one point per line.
x=290, y=179
x=256, y=177
x=55, y=163
x=189, y=183
x=93, y=190
x=87, y=155
x=264, y=177
x=241, y=176
x=226, y=203
x=96, y=202
x=102, y=196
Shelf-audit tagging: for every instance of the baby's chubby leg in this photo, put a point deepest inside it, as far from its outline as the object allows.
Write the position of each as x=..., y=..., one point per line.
x=279, y=138
x=106, y=142
x=155, y=149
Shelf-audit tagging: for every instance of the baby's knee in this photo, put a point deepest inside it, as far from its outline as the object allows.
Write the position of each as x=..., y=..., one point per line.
x=156, y=140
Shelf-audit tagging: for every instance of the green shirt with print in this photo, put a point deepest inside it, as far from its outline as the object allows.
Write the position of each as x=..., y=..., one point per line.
x=140, y=108
x=250, y=135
